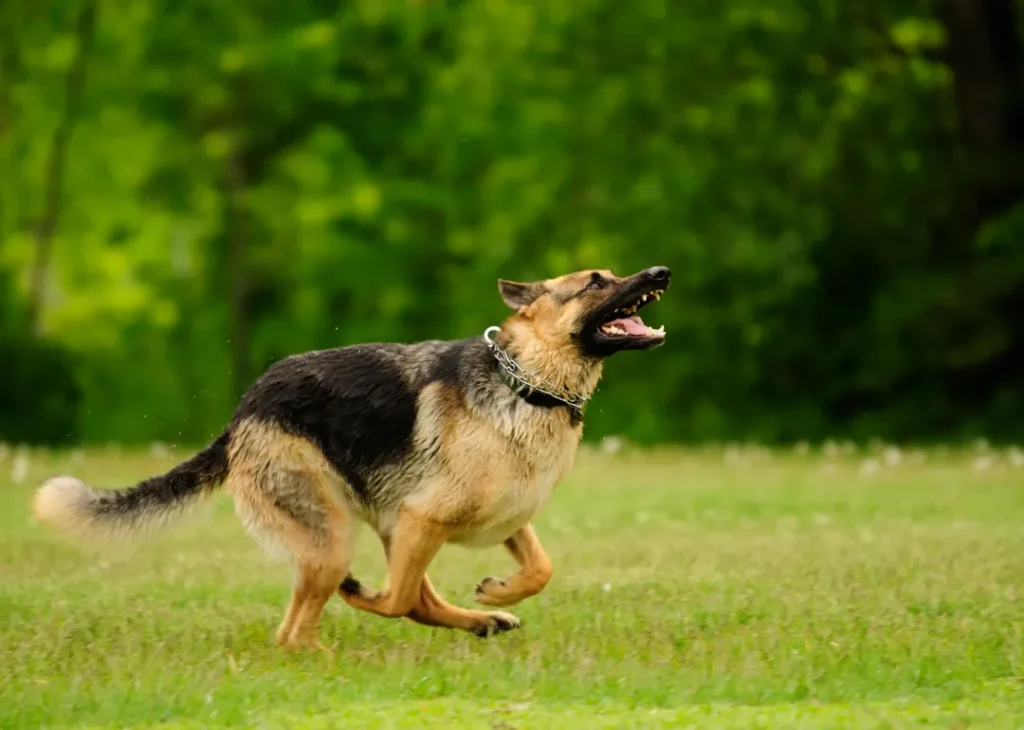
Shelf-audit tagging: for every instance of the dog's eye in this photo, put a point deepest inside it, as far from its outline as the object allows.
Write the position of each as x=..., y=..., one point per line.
x=596, y=284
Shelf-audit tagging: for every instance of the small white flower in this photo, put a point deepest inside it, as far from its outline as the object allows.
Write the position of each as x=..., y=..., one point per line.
x=611, y=444
x=869, y=467
x=19, y=469
x=917, y=457
x=733, y=456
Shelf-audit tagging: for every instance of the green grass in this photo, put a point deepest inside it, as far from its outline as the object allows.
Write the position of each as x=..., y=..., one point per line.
x=698, y=589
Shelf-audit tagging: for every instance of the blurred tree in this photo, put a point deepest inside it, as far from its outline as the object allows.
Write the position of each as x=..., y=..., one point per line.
x=38, y=392
x=49, y=217
x=837, y=187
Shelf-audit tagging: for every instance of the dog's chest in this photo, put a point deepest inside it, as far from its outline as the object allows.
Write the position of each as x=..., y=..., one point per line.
x=516, y=480
x=534, y=479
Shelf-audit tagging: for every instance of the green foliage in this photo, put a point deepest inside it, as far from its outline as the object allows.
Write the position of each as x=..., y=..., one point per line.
x=247, y=180
x=38, y=389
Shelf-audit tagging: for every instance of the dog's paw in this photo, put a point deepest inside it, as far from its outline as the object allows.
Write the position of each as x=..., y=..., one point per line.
x=352, y=588
x=497, y=622
x=350, y=585
x=487, y=590
x=302, y=642
x=309, y=646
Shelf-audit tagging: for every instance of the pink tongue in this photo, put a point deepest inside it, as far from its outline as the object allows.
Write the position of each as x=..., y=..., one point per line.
x=633, y=326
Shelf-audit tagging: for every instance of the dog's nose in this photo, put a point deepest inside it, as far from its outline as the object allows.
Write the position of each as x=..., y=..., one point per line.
x=658, y=273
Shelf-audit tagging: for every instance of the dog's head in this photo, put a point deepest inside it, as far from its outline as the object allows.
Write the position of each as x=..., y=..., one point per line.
x=594, y=312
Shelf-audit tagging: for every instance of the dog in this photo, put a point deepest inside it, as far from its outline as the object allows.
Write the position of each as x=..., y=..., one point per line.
x=429, y=443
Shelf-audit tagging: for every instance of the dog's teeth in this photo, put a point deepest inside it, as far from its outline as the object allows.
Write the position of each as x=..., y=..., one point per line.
x=657, y=295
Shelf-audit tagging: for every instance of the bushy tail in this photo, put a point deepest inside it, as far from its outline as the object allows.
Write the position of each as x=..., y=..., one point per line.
x=80, y=511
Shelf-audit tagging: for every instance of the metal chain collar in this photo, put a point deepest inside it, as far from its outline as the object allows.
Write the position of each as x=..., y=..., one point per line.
x=528, y=380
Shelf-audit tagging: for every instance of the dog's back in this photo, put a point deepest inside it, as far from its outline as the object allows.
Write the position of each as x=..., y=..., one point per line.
x=390, y=420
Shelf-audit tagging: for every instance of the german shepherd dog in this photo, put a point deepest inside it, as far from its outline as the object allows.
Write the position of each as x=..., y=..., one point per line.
x=429, y=443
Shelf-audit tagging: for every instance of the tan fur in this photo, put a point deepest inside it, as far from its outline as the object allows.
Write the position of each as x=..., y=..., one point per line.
x=534, y=572
x=542, y=332
x=497, y=471
x=476, y=473
x=289, y=498
x=293, y=502
x=56, y=503
x=432, y=610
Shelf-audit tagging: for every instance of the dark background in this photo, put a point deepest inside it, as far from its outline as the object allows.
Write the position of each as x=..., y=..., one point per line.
x=190, y=190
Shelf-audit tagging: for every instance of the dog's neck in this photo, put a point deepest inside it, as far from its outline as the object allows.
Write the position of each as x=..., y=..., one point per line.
x=556, y=360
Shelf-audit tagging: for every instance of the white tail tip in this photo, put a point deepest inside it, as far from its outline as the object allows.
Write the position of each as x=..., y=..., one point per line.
x=61, y=502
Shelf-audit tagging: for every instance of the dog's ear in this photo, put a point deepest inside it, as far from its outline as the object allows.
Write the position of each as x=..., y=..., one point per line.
x=517, y=295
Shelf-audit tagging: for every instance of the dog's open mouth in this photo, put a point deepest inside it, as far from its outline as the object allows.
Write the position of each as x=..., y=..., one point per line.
x=625, y=322
x=615, y=324
x=618, y=326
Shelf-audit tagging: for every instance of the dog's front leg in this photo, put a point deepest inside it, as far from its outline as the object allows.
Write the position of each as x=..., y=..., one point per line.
x=433, y=610
x=534, y=572
x=409, y=550
x=413, y=543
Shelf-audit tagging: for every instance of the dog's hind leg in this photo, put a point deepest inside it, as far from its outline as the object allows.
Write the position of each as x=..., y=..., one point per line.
x=287, y=498
x=534, y=572
x=320, y=548
x=315, y=583
x=320, y=553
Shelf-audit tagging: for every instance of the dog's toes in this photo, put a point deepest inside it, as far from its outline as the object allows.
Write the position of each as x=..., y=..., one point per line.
x=481, y=594
x=497, y=622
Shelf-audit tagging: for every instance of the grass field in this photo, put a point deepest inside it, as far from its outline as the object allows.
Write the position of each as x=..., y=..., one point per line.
x=712, y=589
